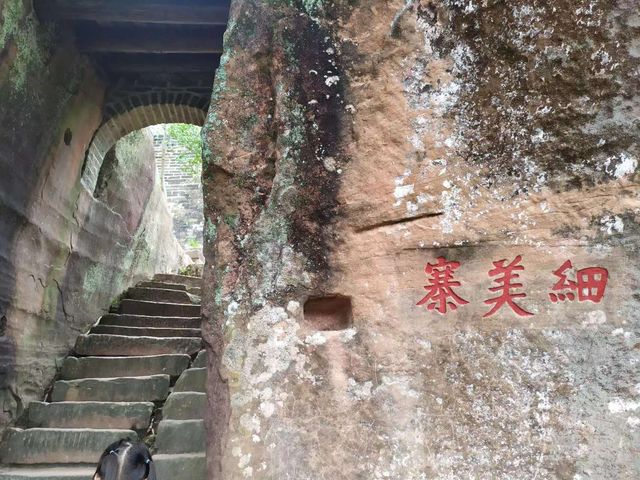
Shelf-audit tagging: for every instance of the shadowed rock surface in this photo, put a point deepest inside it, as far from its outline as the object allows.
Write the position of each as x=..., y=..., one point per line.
x=67, y=248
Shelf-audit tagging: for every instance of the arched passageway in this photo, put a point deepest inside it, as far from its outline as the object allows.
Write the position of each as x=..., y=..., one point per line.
x=131, y=120
x=157, y=60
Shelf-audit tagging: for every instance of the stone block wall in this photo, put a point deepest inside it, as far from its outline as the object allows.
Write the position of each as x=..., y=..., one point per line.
x=132, y=117
x=182, y=189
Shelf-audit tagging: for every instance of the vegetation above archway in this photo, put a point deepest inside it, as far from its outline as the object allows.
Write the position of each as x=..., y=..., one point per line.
x=189, y=138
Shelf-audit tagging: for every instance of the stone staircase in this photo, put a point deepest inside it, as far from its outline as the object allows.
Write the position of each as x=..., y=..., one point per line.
x=180, y=444
x=135, y=367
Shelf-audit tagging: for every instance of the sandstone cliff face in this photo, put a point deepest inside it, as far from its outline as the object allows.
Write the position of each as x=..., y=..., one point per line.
x=65, y=254
x=351, y=145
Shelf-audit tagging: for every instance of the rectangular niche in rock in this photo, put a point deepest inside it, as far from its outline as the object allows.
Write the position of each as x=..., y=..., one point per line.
x=331, y=312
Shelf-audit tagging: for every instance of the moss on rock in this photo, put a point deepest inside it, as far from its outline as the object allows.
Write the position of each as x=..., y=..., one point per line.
x=32, y=42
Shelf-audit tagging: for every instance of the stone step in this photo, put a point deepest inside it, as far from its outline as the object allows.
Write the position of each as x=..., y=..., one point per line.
x=98, y=415
x=120, y=345
x=48, y=472
x=150, y=321
x=180, y=436
x=158, y=295
x=201, y=359
x=195, y=291
x=187, y=281
x=158, y=309
x=123, y=389
x=109, y=367
x=165, y=285
x=192, y=380
x=184, y=466
x=145, y=331
x=185, y=406
x=57, y=445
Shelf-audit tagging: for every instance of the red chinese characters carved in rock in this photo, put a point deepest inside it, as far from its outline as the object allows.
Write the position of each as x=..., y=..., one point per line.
x=440, y=294
x=505, y=284
x=589, y=284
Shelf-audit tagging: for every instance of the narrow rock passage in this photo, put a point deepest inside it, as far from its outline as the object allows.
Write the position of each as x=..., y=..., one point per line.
x=132, y=370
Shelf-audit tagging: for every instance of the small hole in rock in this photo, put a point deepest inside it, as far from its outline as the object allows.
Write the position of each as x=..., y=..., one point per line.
x=332, y=312
x=68, y=136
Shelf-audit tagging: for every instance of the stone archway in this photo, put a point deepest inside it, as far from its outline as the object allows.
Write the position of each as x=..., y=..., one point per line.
x=156, y=60
x=129, y=121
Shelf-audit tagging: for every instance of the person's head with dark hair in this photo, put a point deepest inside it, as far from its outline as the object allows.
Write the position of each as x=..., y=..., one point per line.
x=126, y=460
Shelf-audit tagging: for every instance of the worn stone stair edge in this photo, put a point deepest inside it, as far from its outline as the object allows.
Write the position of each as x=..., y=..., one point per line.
x=133, y=377
x=144, y=331
x=125, y=389
x=58, y=445
x=173, y=364
x=161, y=309
x=192, y=380
x=201, y=360
x=181, y=466
x=134, y=316
x=159, y=288
x=165, y=304
x=181, y=436
x=48, y=472
x=149, y=321
x=90, y=414
x=161, y=295
x=163, y=285
x=122, y=345
x=186, y=280
x=185, y=406
x=189, y=282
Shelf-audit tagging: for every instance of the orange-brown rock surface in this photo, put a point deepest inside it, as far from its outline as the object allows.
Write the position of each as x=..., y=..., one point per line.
x=351, y=145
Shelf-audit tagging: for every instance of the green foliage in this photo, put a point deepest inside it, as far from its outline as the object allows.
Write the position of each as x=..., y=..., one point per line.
x=194, y=243
x=188, y=137
x=193, y=270
x=21, y=28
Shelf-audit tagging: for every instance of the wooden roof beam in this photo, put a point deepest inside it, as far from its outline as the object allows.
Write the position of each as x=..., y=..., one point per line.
x=201, y=82
x=145, y=63
x=184, y=12
x=149, y=40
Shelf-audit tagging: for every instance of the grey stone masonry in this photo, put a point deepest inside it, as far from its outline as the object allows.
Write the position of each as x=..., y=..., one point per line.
x=183, y=190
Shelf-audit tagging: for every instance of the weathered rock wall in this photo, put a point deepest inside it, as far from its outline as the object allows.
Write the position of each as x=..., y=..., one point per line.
x=64, y=254
x=351, y=145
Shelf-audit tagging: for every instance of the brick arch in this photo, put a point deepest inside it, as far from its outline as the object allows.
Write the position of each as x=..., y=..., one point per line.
x=129, y=121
